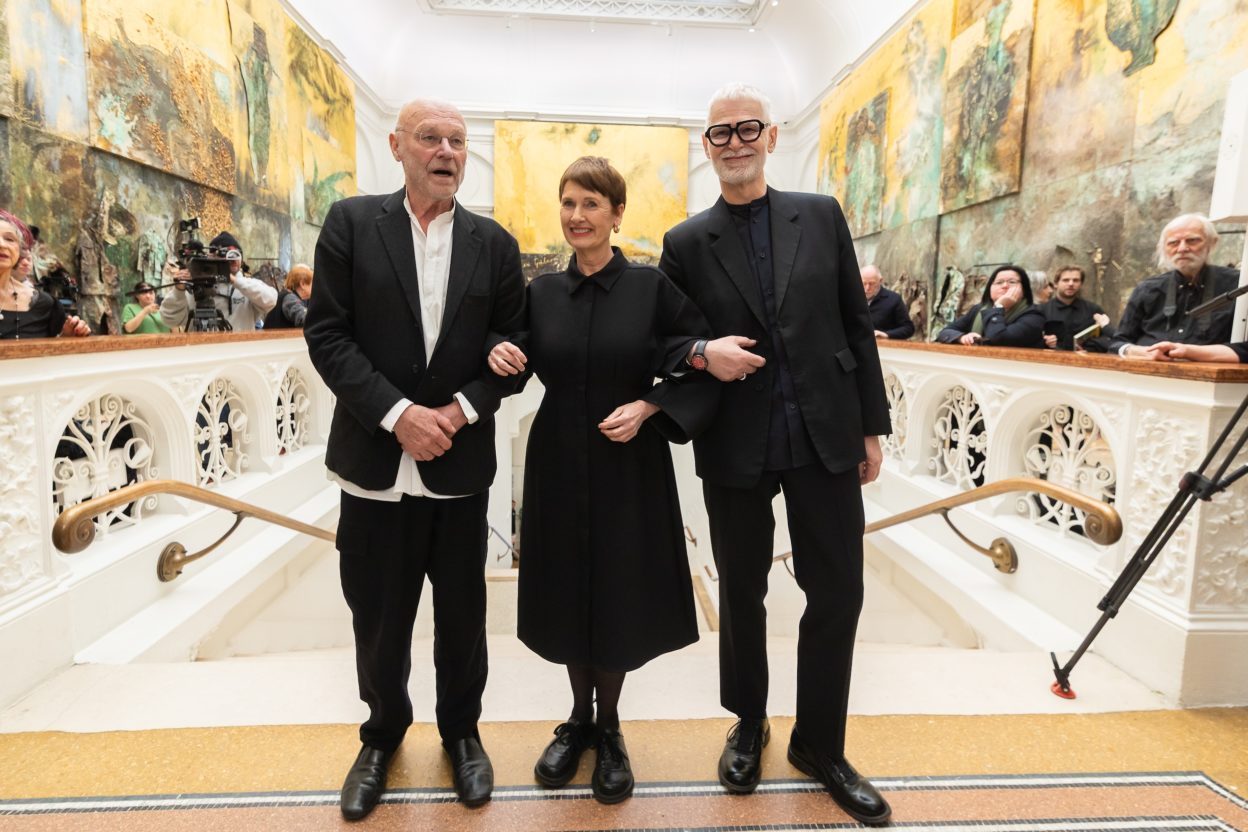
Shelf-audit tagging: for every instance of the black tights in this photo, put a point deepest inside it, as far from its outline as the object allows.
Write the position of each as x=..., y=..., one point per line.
x=585, y=681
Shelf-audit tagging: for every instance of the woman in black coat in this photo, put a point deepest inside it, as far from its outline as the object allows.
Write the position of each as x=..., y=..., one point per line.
x=1005, y=317
x=604, y=573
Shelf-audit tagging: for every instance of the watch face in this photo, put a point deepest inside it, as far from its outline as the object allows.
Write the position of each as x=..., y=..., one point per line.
x=698, y=362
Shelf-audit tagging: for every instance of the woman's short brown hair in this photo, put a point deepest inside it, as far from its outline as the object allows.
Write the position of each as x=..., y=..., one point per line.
x=299, y=275
x=594, y=173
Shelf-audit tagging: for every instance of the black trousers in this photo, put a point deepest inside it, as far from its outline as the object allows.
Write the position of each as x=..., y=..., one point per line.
x=825, y=523
x=386, y=551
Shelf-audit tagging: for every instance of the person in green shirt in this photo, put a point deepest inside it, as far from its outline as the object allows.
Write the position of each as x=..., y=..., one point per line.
x=143, y=316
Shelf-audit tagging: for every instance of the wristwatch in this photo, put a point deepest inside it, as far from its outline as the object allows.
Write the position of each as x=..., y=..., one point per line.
x=698, y=360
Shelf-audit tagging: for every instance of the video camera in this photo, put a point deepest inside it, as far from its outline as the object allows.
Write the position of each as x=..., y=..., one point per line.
x=208, y=267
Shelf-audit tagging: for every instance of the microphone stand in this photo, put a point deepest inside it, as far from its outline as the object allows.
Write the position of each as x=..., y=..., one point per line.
x=1193, y=486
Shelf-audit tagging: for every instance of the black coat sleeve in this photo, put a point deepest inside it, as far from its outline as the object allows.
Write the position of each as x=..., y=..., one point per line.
x=687, y=404
x=1027, y=330
x=961, y=326
x=898, y=327
x=507, y=316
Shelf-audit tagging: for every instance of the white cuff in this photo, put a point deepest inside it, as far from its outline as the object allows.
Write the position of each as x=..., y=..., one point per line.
x=470, y=412
x=1122, y=351
x=388, y=421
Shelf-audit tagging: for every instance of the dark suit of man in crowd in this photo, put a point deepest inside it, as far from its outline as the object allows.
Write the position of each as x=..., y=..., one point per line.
x=888, y=311
x=1066, y=315
x=1159, y=308
x=803, y=405
x=408, y=288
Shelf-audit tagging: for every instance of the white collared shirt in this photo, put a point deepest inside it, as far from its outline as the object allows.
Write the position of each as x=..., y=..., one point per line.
x=433, y=270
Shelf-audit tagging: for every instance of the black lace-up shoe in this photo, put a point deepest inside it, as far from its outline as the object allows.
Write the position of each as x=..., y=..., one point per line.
x=613, y=778
x=741, y=764
x=851, y=791
x=559, y=761
x=473, y=773
x=365, y=782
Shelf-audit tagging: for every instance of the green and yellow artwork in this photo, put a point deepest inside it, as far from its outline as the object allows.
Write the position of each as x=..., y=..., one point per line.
x=52, y=184
x=900, y=167
x=46, y=66
x=1133, y=26
x=157, y=96
x=322, y=128
x=262, y=143
x=6, y=73
x=530, y=158
x=985, y=106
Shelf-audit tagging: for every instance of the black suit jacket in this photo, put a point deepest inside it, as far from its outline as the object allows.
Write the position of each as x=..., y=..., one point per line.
x=889, y=314
x=822, y=314
x=365, y=338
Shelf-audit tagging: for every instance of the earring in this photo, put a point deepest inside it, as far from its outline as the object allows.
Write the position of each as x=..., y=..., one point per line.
x=617, y=229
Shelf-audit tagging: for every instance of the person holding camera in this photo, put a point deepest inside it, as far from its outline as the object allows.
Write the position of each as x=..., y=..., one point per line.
x=142, y=317
x=247, y=301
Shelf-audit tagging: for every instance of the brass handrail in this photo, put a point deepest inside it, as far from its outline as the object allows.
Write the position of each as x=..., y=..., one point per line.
x=1102, y=524
x=75, y=528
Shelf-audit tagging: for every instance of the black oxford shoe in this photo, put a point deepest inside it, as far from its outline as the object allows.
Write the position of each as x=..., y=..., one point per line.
x=851, y=791
x=559, y=761
x=741, y=764
x=613, y=777
x=365, y=782
x=474, y=776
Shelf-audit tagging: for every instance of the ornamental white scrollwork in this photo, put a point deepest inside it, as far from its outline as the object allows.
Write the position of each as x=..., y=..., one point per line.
x=960, y=440
x=1067, y=448
x=19, y=514
x=1168, y=448
x=1222, y=568
x=293, y=412
x=221, y=436
x=106, y=445
x=894, y=444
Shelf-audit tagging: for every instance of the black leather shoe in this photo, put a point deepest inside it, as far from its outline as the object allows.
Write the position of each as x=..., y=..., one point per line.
x=741, y=764
x=365, y=782
x=613, y=778
x=851, y=791
x=559, y=761
x=474, y=776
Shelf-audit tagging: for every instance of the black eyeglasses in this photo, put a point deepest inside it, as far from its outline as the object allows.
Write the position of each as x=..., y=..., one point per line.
x=747, y=131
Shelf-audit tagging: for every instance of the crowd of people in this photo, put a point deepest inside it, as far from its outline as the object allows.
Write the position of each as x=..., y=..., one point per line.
x=1035, y=313
x=27, y=310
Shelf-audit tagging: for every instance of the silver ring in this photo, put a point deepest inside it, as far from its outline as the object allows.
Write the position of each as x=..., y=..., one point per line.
x=743, y=375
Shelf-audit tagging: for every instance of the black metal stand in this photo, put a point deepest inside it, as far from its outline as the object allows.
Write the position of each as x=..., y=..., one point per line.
x=1193, y=486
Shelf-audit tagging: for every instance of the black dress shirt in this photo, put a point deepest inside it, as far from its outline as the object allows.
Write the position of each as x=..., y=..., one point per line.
x=889, y=315
x=1240, y=349
x=1066, y=320
x=1146, y=320
x=788, y=445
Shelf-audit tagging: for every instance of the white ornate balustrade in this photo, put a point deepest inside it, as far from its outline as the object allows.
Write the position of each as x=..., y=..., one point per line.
x=1114, y=430
x=245, y=414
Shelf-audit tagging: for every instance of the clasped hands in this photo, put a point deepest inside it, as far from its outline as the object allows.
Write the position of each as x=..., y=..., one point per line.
x=425, y=432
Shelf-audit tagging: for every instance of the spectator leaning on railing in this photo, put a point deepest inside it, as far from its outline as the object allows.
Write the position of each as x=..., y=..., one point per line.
x=1066, y=315
x=142, y=317
x=27, y=312
x=292, y=301
x=1005, y=317
x=888, y=311
x=1221, y=353
x=1160, y=306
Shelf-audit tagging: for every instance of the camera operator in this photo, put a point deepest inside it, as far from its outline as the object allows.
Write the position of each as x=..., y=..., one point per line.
x=247, y=301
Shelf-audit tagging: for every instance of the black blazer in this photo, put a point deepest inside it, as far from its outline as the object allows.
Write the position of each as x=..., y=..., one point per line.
x=889, y=315
x=822, y=314
x=364, y=336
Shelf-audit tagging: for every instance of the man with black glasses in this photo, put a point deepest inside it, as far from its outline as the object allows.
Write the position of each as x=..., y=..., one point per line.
x=803, y=408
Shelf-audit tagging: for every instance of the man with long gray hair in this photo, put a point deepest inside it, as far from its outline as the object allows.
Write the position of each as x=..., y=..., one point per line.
x=1160, y=307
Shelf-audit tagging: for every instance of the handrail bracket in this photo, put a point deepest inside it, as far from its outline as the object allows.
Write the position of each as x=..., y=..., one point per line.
x=1001, y=552
x=173, y=558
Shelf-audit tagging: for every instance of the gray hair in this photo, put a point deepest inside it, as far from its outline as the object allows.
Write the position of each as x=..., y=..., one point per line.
x=1206, y=227
x=1038, y=281
x=736, y=91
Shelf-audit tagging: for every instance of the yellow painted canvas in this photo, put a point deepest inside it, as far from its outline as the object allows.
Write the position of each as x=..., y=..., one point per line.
x=530, y=157
x=43, y=65
x=321, y=99
x=261, y=141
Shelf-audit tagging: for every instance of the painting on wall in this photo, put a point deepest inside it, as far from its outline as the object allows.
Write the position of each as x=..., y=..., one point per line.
x=902, y=169
x=50, y=185
x=158, y=99
x=530, y=157
x=322, y=128
x=47, y=60
x=1133, y=26
x=6, y=74
x=261, y=143
x=985, y=106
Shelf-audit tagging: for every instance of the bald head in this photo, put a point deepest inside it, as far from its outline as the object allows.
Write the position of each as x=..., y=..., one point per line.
x=430, y=141
x=419, y=109
x=871, y=281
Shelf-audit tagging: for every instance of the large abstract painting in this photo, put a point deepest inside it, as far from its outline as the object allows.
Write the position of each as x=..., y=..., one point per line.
x=156, y=97
x=894, y=161
x=985, y=106
x=261, y=143
x=1133, y=26
x=47, y=61
x=322, y=122
x=6, y=73
x=530, y=157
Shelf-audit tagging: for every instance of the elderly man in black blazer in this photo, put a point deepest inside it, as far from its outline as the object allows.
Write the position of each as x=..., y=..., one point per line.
x=802, y=411
x=408, y=289
x=888, y=311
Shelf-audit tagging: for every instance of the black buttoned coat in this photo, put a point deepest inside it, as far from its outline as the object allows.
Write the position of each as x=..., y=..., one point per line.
x=604, y=574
